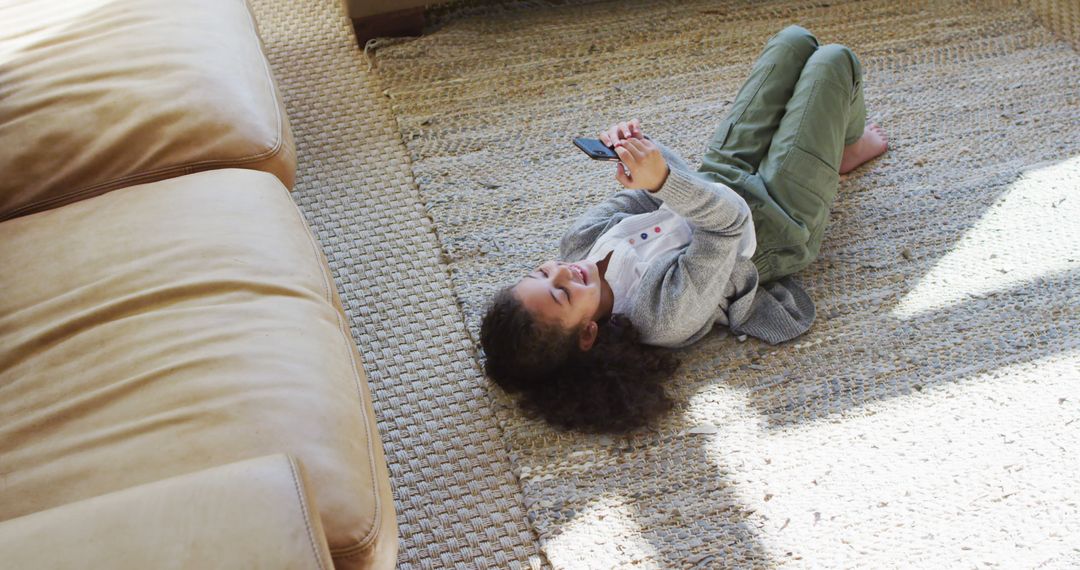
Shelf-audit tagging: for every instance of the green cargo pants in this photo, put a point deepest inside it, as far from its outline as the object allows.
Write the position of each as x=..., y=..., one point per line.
x=781, y=144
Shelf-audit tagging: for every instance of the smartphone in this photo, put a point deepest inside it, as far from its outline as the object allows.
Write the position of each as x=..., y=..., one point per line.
x=596, y=149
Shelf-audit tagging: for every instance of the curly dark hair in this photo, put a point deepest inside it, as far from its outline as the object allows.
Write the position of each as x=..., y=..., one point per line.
x=614, y=387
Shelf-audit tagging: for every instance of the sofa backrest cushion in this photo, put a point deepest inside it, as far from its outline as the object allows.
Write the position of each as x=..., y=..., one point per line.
x=101, y=94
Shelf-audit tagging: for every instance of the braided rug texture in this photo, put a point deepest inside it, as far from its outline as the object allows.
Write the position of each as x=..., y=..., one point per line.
x=928, y=419
x=458, y=503
x=1061, y=16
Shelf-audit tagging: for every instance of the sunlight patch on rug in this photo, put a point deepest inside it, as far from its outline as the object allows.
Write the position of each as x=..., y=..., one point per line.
x=605, y=535
x=1032, y=231
x=956, y=472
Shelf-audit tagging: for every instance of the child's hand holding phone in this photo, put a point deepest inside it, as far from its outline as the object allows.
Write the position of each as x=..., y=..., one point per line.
x=642, y=165
x=622, y=131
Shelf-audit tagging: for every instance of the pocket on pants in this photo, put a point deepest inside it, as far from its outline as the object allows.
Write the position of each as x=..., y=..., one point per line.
x=747, y=93
x=812, y=187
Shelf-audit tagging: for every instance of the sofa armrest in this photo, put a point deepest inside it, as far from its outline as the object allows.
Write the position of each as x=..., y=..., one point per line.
x=251, y=514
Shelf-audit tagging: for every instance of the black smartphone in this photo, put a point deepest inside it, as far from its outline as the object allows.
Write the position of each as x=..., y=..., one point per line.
x=596, y=149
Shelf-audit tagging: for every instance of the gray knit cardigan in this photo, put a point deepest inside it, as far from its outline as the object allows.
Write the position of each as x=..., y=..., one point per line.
x=685, y=292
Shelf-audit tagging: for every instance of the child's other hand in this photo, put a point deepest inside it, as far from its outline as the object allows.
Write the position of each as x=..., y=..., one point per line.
x=647, y=168
x=622, y=131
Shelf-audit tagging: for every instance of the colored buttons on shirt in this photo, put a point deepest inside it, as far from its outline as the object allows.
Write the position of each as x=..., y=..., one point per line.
x=656, y=229
x=644, y=235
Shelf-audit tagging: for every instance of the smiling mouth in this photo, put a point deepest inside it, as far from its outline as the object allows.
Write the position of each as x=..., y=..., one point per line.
x=581, y=273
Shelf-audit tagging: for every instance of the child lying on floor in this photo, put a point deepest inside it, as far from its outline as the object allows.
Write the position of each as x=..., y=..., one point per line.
x=585, y=341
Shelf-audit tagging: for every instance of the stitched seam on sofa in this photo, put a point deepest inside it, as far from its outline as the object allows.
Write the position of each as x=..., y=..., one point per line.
x=376, y=521
x=188, y=167
x=279, y=127
x=135, y=179
x=304, y=510
x=149, y=176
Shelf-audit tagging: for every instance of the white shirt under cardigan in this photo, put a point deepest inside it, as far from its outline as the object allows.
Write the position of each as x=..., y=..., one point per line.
x=637, y=241
x=682, y=291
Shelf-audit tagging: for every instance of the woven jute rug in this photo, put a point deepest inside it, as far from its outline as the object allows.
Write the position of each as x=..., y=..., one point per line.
x=929, y=418
x=457, y=501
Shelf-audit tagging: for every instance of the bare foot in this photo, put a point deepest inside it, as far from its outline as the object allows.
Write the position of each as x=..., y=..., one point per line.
x=873, y=142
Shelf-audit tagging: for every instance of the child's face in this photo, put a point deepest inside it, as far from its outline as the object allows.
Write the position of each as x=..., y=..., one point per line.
x=567, y=294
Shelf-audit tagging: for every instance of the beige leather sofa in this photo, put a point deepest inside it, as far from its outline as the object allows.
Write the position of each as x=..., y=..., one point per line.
x=178, y=384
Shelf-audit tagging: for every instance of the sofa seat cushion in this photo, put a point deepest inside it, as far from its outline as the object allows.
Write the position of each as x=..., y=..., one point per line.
x=100, y=94
x=250, y=514
x=170, y=327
